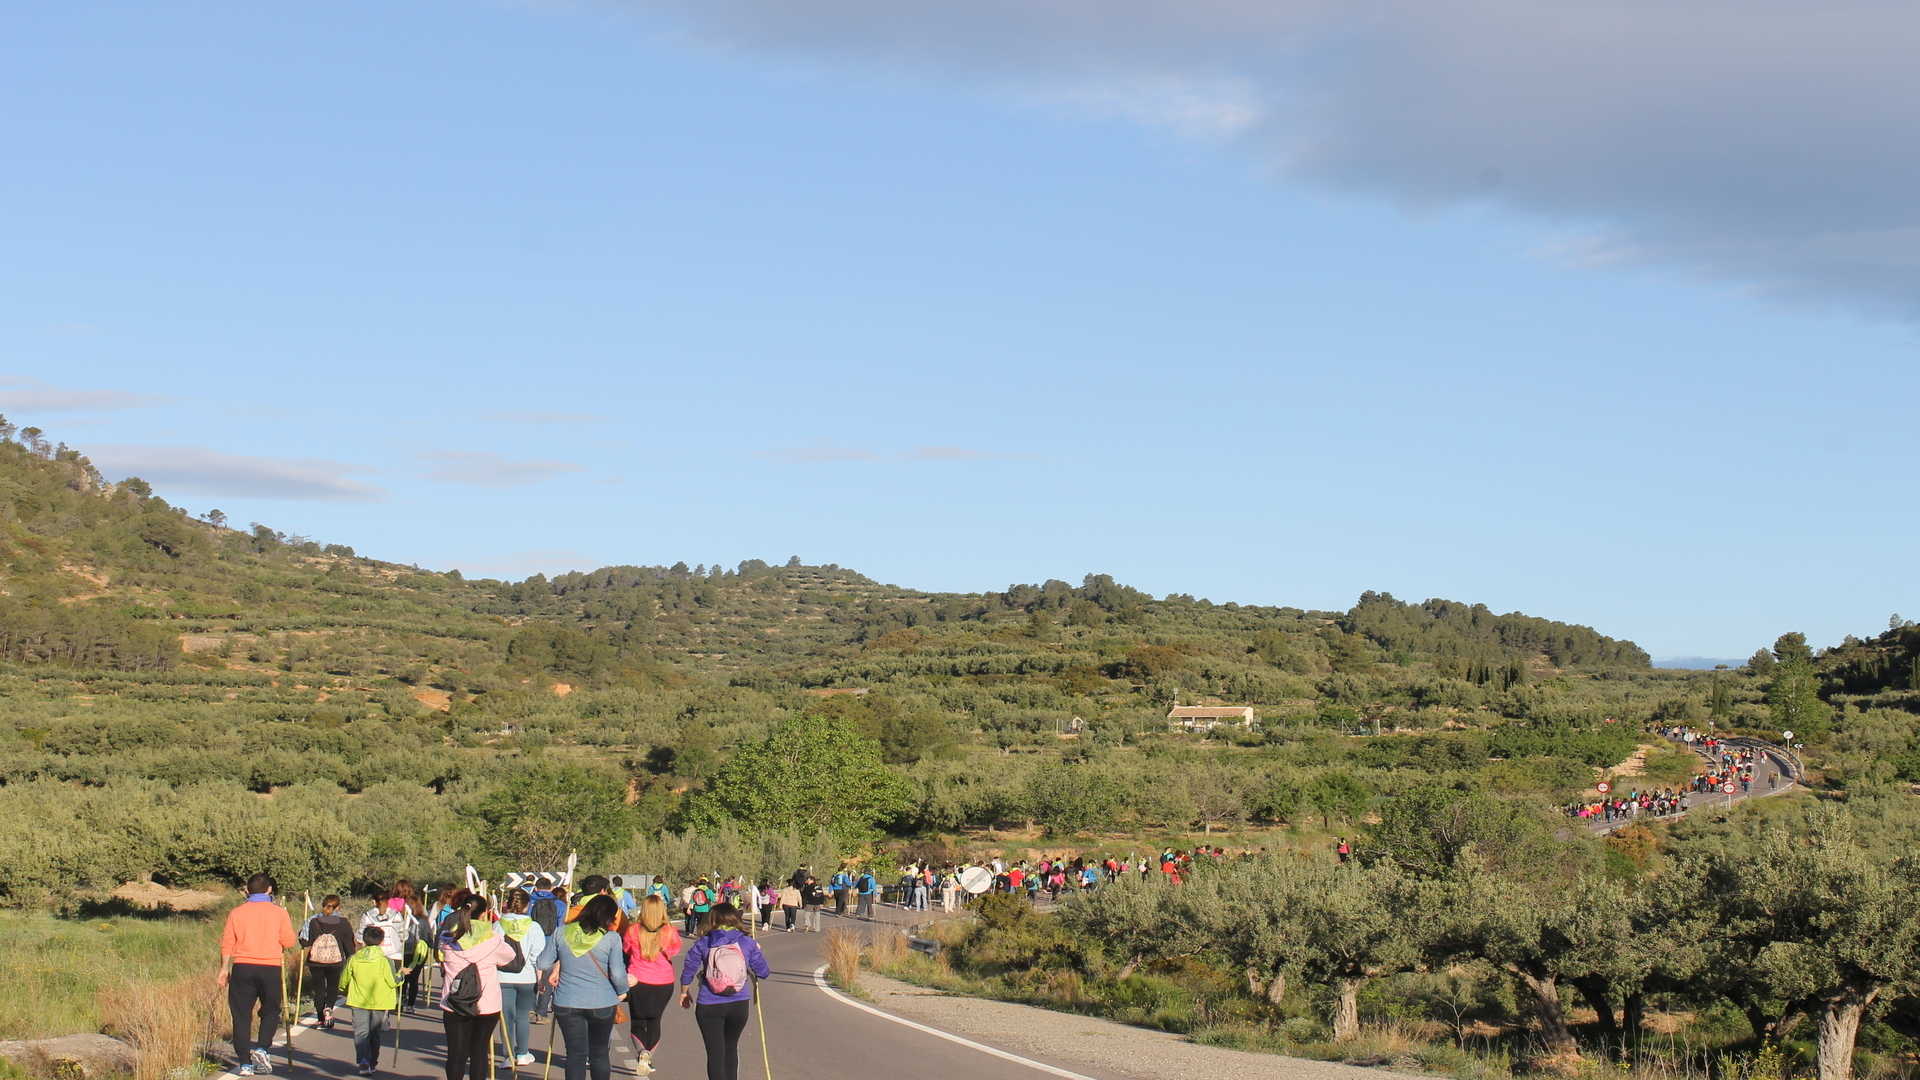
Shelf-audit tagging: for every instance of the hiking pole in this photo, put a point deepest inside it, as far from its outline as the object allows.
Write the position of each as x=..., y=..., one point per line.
x=552, y=1022
x=299, y=978
x=760, y=1019
x=506, y=1036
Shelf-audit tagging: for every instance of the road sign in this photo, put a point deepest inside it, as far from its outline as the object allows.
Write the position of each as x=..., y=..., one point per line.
x=976, y=879
x=1603, y=787
x=1788, y=735
x=1728, y=788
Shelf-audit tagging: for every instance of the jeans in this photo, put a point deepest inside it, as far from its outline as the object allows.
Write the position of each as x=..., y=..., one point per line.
x=920, y=898
x=369, y=1031
x=790, y=912
x=720, y=1028
x=865, y=910
x=467, y=1039
x=646, y=1004
x=325, y=981
x=810, y=918
x=586, y=1032
x=839, y=901
x=251, y=985
x=516, y=1003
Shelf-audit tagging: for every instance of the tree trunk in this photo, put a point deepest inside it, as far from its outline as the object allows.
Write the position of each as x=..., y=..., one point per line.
x=1633, y=1017
x=1839, y=1025
x=1277, y=987
x=1597, y=996
x=1553, y=1019
x=1132, y=965
x=1346, y=1015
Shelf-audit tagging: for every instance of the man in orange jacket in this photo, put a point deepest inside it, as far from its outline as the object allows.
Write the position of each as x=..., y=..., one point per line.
x=256, y=936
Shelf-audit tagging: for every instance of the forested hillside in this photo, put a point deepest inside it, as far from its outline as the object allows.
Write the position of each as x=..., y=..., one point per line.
x=173, y=669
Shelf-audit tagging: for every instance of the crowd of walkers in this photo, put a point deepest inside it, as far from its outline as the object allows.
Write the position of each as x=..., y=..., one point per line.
x=608, y=952
x=604, y=957
x=1729, y=768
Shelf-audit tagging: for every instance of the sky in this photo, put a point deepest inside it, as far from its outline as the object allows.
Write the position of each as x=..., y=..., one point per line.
x=1608, y=317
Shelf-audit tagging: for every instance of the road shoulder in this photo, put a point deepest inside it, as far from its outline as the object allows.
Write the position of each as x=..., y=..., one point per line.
x=1095, y=1045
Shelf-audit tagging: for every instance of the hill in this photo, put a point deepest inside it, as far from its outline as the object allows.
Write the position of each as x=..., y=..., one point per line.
x=157, y=667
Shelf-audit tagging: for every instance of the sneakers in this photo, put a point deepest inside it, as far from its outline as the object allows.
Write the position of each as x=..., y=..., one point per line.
x=524, y=1059
x=645, y=1065
x=262, y=1064
x=365, y=1070
x=244, y=1070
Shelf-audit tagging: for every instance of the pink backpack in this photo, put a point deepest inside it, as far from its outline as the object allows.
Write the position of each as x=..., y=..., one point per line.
x=726, y=971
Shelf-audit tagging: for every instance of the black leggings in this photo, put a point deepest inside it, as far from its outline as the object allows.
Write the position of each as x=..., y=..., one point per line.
x=646, y=1004
x=325, y=980
x=248, y=986
x=720, y=1028
x=467, y=1041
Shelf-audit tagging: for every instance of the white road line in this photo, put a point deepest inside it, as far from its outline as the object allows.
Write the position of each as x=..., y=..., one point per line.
x=820, y=980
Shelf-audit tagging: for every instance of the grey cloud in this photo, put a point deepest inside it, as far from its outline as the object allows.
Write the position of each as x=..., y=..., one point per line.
x=26, y=394
x=1766, y=142
x=200, y=471
x=480, y=469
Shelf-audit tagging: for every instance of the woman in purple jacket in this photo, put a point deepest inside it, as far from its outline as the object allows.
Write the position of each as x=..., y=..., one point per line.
x=722, y=1014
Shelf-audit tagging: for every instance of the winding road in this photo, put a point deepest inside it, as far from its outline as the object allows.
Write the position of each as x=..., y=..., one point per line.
x=1776, y=772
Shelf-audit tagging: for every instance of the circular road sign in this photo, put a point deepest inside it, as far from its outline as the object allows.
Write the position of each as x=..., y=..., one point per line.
x=1787, y=735
x=1728, y=788
x=1603, y=787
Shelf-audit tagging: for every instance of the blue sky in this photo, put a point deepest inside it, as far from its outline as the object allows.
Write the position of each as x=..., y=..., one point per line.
x=531, y=287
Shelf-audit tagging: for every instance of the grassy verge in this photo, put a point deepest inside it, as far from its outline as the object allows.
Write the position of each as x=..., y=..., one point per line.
x=146, y=980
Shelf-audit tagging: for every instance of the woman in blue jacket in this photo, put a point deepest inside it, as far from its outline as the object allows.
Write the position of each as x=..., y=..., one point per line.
x=722, y=1014
x=584, y=965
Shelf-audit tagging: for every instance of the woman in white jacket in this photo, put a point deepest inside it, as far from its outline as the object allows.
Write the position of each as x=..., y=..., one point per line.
x=517, y=988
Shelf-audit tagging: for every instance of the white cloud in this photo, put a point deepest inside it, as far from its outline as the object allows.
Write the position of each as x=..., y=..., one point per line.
x=482, y=469
x=26, y=394
x=536, y=416
x=200, y=471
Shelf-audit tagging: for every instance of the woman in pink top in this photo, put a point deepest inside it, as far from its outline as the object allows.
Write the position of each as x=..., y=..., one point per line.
x=470, y=941
x=652, y=943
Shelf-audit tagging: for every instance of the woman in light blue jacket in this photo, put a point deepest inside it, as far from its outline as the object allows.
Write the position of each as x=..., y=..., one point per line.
x=584, y=964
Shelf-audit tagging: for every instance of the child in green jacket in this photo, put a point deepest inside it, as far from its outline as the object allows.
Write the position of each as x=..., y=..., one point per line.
x=373, y=993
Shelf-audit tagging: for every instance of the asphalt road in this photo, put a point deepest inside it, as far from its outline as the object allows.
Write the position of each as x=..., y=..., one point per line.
x=1771, y=766
x=809, y=1036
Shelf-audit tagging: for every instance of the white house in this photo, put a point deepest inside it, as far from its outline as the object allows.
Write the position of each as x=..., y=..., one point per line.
x=1208, y=717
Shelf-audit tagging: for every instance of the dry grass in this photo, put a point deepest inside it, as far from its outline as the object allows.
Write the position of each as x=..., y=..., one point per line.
x=886, y=949
x=843, y=958
x=166, y=1021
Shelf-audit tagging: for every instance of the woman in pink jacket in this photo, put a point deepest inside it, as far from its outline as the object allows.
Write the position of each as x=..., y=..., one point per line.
x=470, y=1006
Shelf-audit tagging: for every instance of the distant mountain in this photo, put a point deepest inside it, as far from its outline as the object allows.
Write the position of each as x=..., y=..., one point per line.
x=1695, y=663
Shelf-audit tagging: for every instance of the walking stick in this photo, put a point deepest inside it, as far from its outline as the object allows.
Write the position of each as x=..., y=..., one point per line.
x=299, y=977
x=759, y=1019
x=506, y=1036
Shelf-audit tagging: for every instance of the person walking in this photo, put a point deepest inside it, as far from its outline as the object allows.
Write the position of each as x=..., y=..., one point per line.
x=414, y=908
x=328, y=939
x=257, y=934
x=472, y=954
x=867, y=887
x=373, y=993
x=584, y=966
x=812, y=899
x=518, y=989
x=652, y=942
x=724, y=961
x=394, y=927
x=842, y=884
x=697, y=900
x=789, y=905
